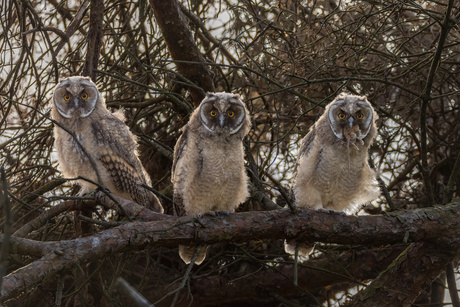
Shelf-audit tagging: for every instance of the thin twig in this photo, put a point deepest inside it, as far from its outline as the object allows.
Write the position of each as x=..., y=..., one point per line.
x=5, y=204
x=426, y=98
x=133, y=296
x=452, y=285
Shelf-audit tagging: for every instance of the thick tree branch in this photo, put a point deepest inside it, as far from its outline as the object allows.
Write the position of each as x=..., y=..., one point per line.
x=439, y=225
x=182, y=47
x=94, y=38
x=6, y=210
x=44, y=218
x=129, y=208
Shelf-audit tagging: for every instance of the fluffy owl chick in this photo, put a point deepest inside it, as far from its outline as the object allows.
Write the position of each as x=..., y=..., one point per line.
x=332, y=168
x=208, y=169
x=99, y=143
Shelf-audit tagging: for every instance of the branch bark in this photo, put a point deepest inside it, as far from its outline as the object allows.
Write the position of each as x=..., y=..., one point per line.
x=182, y=47
x=439, y=224
x=94, y=38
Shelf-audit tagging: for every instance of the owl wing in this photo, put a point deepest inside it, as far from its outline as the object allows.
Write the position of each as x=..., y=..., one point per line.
x=307, y=142
x=179, y=209
x=306, y=146
x=117, y=153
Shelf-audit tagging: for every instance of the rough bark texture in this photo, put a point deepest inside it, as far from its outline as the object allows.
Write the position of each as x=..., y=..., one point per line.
x=94, y=38
x=438, y=225
x=182, y=48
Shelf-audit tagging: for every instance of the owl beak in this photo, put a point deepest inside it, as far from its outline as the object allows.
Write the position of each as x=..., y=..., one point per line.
x=221, y=120
x=350, y=120
x=75, y=102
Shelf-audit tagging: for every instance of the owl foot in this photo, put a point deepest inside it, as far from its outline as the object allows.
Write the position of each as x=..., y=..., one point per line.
x=304, y=249
x=215, y=213
x=187, y=252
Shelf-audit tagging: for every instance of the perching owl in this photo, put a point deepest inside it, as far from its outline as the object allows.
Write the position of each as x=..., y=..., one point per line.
x=332, y=168
x=98, y=143
x=208, y=169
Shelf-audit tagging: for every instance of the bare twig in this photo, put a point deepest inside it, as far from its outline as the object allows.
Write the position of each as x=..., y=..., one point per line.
x=452, y=285
x=426, y=98
x=134, y=297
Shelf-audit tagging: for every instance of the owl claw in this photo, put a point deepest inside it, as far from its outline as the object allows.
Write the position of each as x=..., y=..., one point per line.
x=218, y=213
x=214, y=213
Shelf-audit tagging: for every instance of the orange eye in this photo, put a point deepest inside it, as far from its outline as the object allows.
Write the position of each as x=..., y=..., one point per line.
x=342, y=115
x=359, y=116
x=231, y=113
x=84, y=95
x=213, y=113
x=67, y=97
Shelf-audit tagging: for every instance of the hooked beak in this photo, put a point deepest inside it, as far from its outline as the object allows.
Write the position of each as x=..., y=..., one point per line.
x=75, y=102
x=350, y=121
x=221, y=120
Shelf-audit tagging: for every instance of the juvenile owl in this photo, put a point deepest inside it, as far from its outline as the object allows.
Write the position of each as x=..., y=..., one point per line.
x=332, y=168
x=208, y=169
x=100, y=137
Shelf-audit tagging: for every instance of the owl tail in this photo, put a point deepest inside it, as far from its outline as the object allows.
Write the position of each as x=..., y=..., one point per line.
x=304, y=248
x=154, y=204
x=186, y=253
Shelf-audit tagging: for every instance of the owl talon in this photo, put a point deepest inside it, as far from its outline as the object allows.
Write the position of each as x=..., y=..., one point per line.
x=216, y=213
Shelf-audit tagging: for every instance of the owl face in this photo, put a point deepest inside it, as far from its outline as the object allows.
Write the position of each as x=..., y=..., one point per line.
x=75, y=97
x=350, y=117
x=222, y=113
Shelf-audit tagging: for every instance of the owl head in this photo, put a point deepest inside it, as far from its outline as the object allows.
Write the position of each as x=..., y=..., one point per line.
x=223, y=114
x=75, y=97
x=350, y=117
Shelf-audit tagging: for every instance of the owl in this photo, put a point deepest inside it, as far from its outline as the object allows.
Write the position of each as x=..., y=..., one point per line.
x=332, y=168
x=208, y=169
x=95, y=144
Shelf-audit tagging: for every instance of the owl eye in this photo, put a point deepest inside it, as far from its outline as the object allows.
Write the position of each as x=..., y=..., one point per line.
x=342, y=115
x=359, y=116
x=84, y=95
x=67, y=97
x=231, y=113
x=213, y=113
